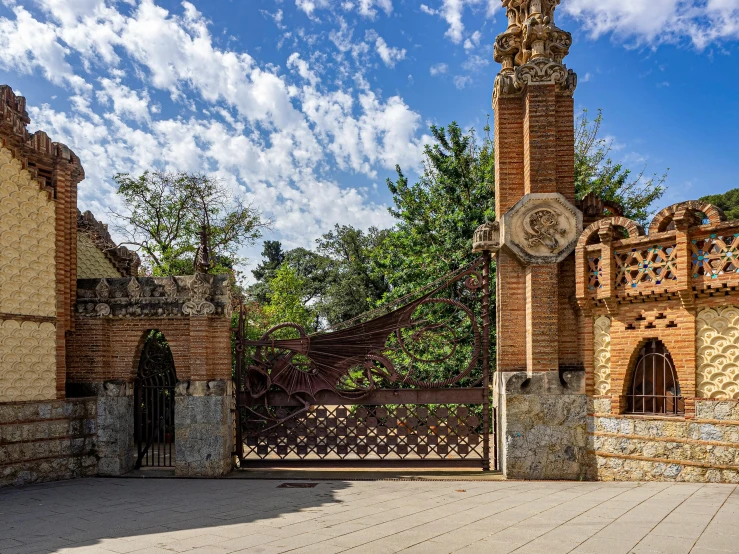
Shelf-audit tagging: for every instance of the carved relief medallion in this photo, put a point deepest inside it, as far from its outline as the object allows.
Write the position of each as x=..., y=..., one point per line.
x=542, y=228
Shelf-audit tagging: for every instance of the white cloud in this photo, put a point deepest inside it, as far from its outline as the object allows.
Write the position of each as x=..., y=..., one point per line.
x=309, y=6
x=461, y=81
x=475, y=62
x=438, y=69
x=701, y=22
x=473, y=41
x=389, y=55
x=126, y=102
x=275, y=133
x=452, y=12
x=28, y=44
x=365, y=8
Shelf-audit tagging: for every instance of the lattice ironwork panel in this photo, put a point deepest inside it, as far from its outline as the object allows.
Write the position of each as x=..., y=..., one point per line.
x=655, y=265
x=715, y=255
x=595, y=273
x=368, y=432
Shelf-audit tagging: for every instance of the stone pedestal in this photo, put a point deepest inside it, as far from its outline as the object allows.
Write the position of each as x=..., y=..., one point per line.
x=115, y=445
x=203, y=428
x=542, y=425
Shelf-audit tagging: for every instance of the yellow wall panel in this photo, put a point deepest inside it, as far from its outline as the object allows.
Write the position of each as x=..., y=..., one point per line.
x=602, y=356
x=91, y=262
x=717, y=352
x=27, y=361
x=27, y=285
x=27, y=234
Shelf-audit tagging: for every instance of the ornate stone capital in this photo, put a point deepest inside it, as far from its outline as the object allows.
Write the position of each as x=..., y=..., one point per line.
x=531, y=49
x=542, y=228
x=487, y=237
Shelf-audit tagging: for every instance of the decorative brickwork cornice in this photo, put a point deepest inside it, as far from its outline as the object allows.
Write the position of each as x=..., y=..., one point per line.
x=531, y=49
x=141, y=297
x=38, y=154
x=124, y=260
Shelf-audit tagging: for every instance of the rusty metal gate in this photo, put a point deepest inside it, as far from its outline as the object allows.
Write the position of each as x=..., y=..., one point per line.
x=407, y=384
x=154, y=404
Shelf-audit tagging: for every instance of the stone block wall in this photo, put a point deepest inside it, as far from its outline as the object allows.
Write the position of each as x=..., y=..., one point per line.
x=47, y=441
x=542, y=425
x=652, y=448
x=204, y=427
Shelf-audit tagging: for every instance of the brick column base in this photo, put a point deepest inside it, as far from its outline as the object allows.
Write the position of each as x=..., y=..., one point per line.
x=203, y=428
x=542, y=425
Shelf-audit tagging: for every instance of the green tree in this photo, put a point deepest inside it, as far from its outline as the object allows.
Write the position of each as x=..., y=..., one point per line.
x=166, y=213
x=272, y=257
x=355, y=282
x=438, y=215
x=728, y=201
x=287, y=299
x=596, y=172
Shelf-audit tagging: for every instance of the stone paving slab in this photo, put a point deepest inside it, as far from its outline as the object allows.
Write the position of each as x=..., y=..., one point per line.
x=122, y=516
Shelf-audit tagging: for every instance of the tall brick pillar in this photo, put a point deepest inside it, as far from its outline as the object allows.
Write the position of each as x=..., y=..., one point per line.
x=540, y=383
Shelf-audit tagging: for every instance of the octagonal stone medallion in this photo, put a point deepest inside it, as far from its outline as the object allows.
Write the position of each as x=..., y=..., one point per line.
x=542, y=228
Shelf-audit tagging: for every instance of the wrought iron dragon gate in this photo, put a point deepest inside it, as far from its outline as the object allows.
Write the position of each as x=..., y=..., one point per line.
x=404, y=384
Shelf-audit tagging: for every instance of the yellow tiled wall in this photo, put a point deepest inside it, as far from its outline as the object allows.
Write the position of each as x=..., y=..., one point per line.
x=27, y=285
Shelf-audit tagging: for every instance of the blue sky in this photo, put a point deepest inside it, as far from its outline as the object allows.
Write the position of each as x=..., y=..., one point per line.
x=307, y=105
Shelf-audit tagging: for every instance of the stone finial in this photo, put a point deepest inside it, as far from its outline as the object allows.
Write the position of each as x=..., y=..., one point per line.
x=487, y=237
x=532, y=48
x=203, y=261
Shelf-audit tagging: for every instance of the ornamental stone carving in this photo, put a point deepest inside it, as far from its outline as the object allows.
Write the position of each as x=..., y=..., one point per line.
x=531, y=49
x=154, y=296
x=170, y=288
x=200, y=293
x=542, y=228
x=103, y=289
x=134, y=289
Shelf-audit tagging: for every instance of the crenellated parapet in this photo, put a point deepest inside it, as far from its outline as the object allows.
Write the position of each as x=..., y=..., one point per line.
x=142, y=297
x=37, y=153
x=690, y=254
x=531, y=49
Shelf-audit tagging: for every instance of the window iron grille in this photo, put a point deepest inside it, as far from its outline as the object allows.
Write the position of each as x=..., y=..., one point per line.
x=655, y=388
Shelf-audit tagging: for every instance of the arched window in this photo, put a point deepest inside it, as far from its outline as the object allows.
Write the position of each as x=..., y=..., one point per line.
x=654, y=387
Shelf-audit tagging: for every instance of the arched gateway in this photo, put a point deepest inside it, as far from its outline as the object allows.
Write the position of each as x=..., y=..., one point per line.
x=154, y=403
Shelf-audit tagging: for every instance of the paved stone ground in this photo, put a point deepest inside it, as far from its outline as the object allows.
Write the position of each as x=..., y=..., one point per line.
x=239, y=515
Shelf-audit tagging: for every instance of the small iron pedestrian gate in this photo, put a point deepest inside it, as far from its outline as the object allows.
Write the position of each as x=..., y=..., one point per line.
x=154, y=404
x=406, y=384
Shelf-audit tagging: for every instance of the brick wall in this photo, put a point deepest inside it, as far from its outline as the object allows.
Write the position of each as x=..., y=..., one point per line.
x=108, y=349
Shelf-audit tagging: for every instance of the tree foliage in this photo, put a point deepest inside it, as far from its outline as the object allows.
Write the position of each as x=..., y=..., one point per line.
x=728, y=202
x=596, y=172
x=167, y=211
x=438, y=215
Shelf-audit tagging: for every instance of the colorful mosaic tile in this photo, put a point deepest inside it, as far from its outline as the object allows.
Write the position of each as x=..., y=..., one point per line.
x=715, y=255
x=655, y=265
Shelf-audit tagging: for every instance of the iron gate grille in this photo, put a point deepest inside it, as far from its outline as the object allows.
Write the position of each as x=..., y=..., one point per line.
x=408, y=382
x=154, y=404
